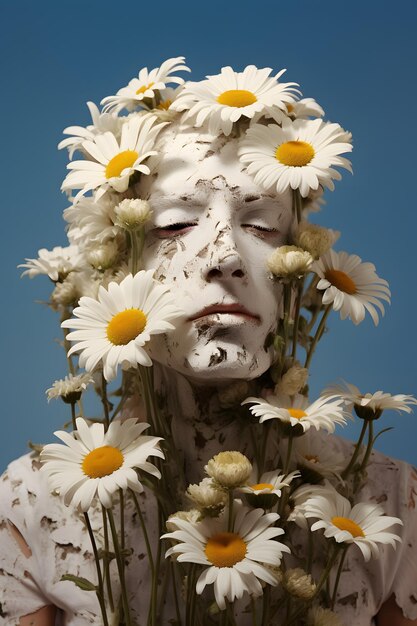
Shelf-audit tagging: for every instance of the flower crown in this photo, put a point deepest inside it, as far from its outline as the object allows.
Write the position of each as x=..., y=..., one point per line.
x=282, y=146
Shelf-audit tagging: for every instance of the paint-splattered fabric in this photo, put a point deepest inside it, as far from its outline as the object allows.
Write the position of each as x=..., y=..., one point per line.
x=57, y=544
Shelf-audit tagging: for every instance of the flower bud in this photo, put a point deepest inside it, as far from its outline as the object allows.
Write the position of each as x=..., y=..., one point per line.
x=298, y=583
x=103, y=257
x=293, y=380
x=192, y=516
x=229, y=469
x=207, y=497
x=132, y=214
x=315, y=239
x=289, y=262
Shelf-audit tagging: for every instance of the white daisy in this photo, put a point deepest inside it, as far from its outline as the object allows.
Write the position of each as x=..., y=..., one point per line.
x=234, y=561
x=102, y=123
x=374, y=403
x=163, y=104
x=364, y=525
x=270, y=483
x=315, y=453
x=304, y=109
x=352, y=286
x=114, y=161
x=223, y=99
x=69, y=388
x=146, y=85
x=295, y=410
x=92, y=463
x=91, y=220
x=113, y=329
x=300, y=155
x=56, y=263
x=300, y=496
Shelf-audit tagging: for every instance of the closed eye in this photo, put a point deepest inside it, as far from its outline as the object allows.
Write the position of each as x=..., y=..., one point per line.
x=261, y=231
x=171, y=230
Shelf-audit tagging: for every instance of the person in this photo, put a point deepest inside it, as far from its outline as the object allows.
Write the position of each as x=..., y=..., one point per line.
x=211, y=232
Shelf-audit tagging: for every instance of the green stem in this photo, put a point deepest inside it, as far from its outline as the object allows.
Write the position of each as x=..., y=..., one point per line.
x=137, y=239
x=287, y=307
x=154, y=592
x=190, y=596
x=296, y=203
x=229, y=611
x=174, y=587
x=285, y=491
x=145, y=533
x=356, y=452
x=297, y=318
x=339, y=572
x=122, y=519
x=106, y=560
x=253, y=606
x=67, y=345
x=73, y=416
x=265, y=606
x=100, y=591
x=289, y=453
x=105, y=402
x=318, y=335
x=369, y=446
x=266, y=428
x=121, y=568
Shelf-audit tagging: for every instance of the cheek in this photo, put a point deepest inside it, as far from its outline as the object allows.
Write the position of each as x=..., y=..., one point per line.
x=172, y=260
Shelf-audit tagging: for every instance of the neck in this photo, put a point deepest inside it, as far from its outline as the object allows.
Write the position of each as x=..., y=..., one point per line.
x=202, y=422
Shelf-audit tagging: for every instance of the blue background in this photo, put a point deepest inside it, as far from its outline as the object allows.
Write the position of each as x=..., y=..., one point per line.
x=357, y=59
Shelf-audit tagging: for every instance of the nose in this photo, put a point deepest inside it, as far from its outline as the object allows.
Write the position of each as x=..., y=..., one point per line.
x=224, y=261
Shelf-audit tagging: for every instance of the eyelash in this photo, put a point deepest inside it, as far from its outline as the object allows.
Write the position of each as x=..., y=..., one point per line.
x=179, y=226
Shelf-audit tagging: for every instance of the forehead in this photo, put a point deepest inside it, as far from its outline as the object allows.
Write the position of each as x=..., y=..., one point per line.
x=194, y=164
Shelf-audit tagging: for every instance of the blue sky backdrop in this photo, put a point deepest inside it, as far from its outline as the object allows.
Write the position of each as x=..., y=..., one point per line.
x=356, y=59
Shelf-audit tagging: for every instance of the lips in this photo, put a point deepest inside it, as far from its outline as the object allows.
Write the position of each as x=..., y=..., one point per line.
x=228, y=309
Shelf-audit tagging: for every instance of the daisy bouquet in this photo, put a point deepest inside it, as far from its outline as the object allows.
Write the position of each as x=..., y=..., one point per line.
x=226, y=545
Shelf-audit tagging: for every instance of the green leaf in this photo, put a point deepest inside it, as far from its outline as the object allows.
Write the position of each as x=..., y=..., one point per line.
x=82, y=583
x=384, y=430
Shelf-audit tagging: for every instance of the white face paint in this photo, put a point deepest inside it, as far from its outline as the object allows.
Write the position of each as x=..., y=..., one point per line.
x=212, y=232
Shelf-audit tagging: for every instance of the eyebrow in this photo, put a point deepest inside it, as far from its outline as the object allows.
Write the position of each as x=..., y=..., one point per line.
x=184, y=200
x=255, y=198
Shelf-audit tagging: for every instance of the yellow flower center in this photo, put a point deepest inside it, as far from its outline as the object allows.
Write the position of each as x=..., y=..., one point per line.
x=297, y=413
x=225, y=549
x=144, y=88
x=341, y=281
x=344, y=523
x=118, y=163
x=290, y=107
x=295, y=153
x=164, y=105
x=237, y=98
x=102, y=462
x=260, y=486
x=125, y=326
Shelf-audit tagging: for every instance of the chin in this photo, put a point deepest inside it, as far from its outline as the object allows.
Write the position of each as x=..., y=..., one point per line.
x=213, y=362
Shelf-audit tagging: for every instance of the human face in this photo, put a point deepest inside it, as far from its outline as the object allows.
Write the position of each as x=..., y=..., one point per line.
x=212, y=232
